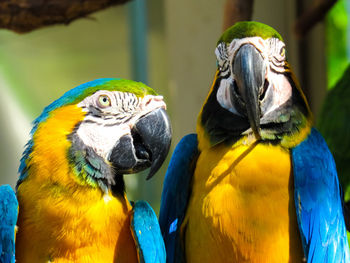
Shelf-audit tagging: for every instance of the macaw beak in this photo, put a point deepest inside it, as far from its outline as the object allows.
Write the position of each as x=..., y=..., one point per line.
x=249, y=71
x=146, y=146
x=155, y=132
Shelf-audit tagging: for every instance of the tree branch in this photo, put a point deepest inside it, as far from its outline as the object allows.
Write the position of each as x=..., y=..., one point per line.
x=26, y=15
x=312, y=16
x=237, y=10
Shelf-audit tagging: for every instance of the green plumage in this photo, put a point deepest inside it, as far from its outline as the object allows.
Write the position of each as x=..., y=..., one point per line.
x=249, y=29
x=334, y=124
x=122, y=85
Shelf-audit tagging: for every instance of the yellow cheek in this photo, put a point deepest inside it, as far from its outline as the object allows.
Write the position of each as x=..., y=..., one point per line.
x=51, y=145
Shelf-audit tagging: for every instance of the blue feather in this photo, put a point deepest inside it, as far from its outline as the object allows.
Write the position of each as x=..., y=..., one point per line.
x=147, y=235
x=8, y=220
x=175, y=196
x=318, y=202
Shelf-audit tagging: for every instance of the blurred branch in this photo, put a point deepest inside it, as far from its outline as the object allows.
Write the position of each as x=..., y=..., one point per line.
x=237, y=10
x=26, y=15
x=312, y=16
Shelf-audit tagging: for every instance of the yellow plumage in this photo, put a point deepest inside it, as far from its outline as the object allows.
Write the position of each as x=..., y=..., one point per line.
x=243, y=210
x=242, y=201
x=60, y=219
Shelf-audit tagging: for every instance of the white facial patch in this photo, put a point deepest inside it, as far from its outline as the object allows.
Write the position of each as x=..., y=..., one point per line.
x=260, y=44
x=101, y=138
x=224, y=96
x=279, y=89
x=272, y=51
x=105, y=124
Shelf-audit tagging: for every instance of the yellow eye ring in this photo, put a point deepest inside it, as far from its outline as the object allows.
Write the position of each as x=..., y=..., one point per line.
x=283, y=52
x=104, y=101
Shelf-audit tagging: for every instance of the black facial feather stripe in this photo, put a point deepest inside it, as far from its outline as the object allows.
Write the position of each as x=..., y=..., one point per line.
x=273, y=69
x=225, y=74
x=96, y=112
x=126, y=105
x=222, y=51
x=101, y=122
x=127, y=101
x=90, y=121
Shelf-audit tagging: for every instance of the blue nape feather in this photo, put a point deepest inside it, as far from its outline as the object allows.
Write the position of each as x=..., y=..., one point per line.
x=8, y=220
x=146, y=232
x=318, y=202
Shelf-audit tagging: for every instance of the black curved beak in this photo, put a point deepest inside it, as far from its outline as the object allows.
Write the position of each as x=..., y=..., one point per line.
x=249, y=72
x=147, y=146
x=155, y=132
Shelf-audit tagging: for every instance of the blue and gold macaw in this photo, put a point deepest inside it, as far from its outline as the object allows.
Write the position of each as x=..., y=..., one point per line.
x=256, y=183
x=71, y=194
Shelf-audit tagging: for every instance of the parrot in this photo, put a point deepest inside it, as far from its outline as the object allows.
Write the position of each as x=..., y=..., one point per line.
x=72, y=203
x=333, y=124
x=256, y=182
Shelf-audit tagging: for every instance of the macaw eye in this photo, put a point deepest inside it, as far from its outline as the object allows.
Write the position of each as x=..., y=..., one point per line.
x=104, y=101
x=282, y=51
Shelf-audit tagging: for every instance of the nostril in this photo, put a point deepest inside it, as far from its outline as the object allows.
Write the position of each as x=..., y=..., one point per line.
x=148, y=102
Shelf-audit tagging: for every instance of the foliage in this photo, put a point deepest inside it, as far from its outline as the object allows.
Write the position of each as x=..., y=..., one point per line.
x=336, y=39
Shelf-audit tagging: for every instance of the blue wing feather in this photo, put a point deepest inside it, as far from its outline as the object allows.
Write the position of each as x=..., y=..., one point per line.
x=175, y=196
x=318, y=202
x=8, y=220
x=147, y=235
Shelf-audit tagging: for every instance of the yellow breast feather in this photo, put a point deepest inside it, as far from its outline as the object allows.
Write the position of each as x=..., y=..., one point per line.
x=243, y=210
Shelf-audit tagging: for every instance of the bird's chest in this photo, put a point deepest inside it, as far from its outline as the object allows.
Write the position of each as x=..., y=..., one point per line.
x=242, y=207
x=58, y=230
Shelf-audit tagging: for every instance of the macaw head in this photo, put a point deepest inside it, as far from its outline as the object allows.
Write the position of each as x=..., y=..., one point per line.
x=97, y=132
x=254, y=91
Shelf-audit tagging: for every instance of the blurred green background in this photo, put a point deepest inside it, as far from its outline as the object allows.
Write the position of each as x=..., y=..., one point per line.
x=338, y=41
x=167, y=44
